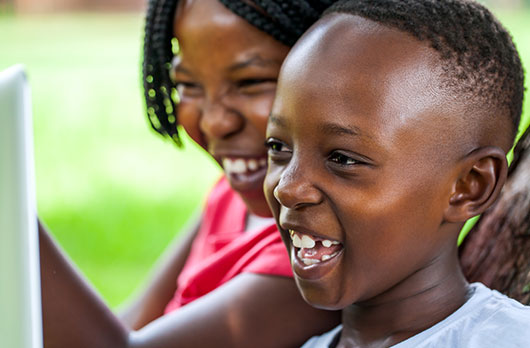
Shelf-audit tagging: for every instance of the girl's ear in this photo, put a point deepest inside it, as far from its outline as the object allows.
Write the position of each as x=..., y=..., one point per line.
x=483, y=176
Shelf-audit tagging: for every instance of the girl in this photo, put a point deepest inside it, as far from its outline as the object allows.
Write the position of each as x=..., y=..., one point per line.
x=234, y=287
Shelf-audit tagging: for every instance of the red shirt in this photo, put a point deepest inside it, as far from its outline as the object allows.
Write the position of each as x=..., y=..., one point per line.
x=223, y=249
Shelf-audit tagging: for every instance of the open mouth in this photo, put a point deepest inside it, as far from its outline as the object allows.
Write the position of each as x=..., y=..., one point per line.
x=246, y=174
x=243, y=165
x=311, y=250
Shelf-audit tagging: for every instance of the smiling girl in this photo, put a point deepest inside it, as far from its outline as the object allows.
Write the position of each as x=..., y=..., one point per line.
x=229, y=283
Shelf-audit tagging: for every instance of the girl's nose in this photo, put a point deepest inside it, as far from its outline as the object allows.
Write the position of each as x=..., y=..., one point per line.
x=295, y=190
x=219, y=121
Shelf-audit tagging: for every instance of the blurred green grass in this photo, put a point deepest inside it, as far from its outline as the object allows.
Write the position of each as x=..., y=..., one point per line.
x=110, y=189
x=112, y=192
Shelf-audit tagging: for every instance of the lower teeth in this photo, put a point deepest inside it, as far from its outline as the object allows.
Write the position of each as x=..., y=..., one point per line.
x=309, y=262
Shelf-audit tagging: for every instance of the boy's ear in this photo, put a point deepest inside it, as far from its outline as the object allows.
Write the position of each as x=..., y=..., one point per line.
x=480, y=183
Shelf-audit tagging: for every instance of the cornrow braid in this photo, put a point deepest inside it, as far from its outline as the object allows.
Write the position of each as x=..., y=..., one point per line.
x=285, y=21
x=158, y=53
x=480, y=61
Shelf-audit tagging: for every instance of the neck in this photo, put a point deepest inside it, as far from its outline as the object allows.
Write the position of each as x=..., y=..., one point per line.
x=423, y=299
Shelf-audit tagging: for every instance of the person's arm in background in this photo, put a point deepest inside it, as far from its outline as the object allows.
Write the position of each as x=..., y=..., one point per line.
x=151, y=301
x=251, y=310
x=69, y=304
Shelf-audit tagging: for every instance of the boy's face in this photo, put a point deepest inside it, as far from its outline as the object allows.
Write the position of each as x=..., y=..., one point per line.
x=361, y=153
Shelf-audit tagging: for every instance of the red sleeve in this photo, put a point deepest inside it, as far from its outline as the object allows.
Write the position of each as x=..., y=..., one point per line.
x=273, y=260
x=267, y=255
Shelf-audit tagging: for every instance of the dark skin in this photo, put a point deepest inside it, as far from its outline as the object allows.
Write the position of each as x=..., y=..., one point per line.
x=226, y=74
x=367, y=149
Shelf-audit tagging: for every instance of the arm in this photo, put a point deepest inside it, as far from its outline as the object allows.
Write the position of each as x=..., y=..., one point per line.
x=249, y=311
x=149, y=304
x=71, y=310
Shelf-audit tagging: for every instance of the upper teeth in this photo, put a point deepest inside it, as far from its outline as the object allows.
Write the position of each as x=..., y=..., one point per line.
x=297, y=242
x=307, y=242
x=243, y=165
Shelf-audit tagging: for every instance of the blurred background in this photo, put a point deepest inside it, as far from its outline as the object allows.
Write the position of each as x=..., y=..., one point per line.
x=112, y=191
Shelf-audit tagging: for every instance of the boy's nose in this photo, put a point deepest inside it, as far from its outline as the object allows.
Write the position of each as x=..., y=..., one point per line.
x=295, y=190
x=219, y=121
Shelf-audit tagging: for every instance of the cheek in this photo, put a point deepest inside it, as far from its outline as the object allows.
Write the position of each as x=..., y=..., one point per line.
x=257, y=110
x=189, y=118
x=270, y=182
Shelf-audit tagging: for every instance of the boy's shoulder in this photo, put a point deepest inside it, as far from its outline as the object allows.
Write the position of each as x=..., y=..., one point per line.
x=487, y=319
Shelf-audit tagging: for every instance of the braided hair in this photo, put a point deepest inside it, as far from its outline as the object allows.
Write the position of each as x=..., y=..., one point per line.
x=480, y=61
x=285, y=21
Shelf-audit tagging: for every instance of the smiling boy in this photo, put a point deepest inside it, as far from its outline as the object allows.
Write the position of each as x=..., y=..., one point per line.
x=390, y=129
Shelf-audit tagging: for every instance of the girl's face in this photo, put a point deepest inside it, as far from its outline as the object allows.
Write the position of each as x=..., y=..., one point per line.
x=226, y=75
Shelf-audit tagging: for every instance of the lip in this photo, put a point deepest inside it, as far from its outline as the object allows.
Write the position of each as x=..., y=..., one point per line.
x=249, y=181
x=286, y=226
x=315, y=271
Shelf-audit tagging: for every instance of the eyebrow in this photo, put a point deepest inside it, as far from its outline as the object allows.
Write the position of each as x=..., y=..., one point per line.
x=277, y=120
x=255, y=60
x=336, y=129
x=329, y=128
x=252, y=61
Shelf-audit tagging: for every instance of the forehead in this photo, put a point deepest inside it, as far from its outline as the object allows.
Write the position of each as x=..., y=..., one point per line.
x=346, y=65
x=207, y=29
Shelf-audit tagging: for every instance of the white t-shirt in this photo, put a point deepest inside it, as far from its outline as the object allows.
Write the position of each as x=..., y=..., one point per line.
x=488, y=319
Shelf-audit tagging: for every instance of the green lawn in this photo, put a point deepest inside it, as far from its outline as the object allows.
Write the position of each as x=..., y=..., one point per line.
x=110, y=189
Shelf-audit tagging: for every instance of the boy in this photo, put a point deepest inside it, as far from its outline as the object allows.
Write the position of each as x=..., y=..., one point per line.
x=390, y=129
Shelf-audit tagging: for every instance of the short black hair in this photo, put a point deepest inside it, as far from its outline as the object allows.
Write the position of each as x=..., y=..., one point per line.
x=285, y=21
x=480, y=61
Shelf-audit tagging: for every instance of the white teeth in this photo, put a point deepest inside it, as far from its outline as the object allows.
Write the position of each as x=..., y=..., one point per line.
x=242, y=165
x=297, y=242
x=252, y=164
x=239, y=166
x=335, y=242
x=309, y=262
x=307, y=242
x=327, y=243
x=227, y=164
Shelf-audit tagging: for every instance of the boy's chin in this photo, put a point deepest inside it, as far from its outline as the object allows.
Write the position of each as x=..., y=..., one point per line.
x=320, y=296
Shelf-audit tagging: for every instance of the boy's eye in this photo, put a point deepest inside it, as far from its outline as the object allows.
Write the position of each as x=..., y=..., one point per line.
x=342, y=159
x=276, y=146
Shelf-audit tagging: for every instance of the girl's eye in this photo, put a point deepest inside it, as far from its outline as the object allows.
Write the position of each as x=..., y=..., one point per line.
x=276, y=146
x=186, y=88
x=254, y=86
x=253, y=82
x=342, y=159
x=183, y=84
